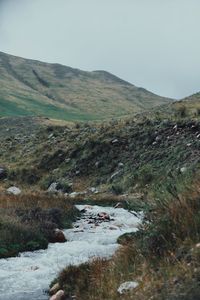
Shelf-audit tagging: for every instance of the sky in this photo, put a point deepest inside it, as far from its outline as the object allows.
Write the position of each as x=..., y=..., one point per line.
x=154, y=44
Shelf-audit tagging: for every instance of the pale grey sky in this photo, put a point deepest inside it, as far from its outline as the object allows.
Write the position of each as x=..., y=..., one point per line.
x=154, y=44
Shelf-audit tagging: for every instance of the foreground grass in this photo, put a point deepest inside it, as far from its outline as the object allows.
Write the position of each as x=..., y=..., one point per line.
x=163, y=256
x=28, y=222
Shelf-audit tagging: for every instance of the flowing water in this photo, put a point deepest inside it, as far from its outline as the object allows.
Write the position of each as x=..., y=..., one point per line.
x=28, y=276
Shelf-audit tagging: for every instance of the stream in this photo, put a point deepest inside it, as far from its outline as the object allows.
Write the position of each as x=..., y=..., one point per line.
x=28, y=276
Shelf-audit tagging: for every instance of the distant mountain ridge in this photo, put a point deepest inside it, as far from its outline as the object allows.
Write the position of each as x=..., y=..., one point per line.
x=30, y=87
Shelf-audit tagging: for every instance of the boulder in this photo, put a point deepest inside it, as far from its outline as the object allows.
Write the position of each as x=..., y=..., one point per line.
x=127, y=286
x=14, y=190
x=58, y=236
x=60, y=295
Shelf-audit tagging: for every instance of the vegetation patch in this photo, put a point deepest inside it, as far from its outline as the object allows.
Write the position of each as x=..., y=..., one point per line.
x=28, y=222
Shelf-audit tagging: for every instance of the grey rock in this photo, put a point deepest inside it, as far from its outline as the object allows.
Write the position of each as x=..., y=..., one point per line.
x=183, y=169
x=120, y=165
x=127, y=286
x=115, y=141
x=117, y=173
x=53, y=188
x=14, y=190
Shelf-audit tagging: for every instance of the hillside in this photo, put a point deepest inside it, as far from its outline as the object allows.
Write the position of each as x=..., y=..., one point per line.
x=33, y=88
x=149, y=163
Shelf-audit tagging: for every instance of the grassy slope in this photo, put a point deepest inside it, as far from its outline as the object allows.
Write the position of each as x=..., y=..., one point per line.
x=160, y=153
x=34, y=88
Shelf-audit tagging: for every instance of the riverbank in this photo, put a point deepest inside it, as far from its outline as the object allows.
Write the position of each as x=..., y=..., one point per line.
x=28, y=222
x=163, y=257
x=91, y=237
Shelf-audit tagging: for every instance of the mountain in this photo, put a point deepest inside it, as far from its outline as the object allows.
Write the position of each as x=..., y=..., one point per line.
x=29, y=87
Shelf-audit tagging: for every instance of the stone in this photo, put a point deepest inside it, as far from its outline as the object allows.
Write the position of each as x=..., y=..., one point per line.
x=104, y=216
x=51, y=136
x=14, y=190
x=34, y=268
x=113, y=227
x=58, y=236
x=58, y=296
x=120, y=165
x=97, y=164
x=158, y=138
x=93, y=190
x=183, y=169
x=115, y=174
x=74, y=194
x=115, y=141
x=118, y=205
x=53, y=188
x=54, y=289
x=127, y=286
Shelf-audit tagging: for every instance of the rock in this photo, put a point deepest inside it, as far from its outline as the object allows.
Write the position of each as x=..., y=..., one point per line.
x=127, y=286
x=115, y=174
x=74, y=194
x=14, y=190
x=93, y=190
x=104, y=216
x=53, y=188
x=120, y=165
x=58, y=236
x=51, y=136
x=54, y=289
x=34, y=268
x=197, y=245
x=3, y=173
x=58, y=296
x=118, y=205
x=115, y=141
x=113, y=227
x=183, y=169
x=98, y=164
x=158, y=138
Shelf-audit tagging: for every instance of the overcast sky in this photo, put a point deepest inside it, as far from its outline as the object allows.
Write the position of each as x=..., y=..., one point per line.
x=154, y=44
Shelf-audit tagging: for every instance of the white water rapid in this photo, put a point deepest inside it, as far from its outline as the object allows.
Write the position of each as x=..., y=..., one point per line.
x=28, y=276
